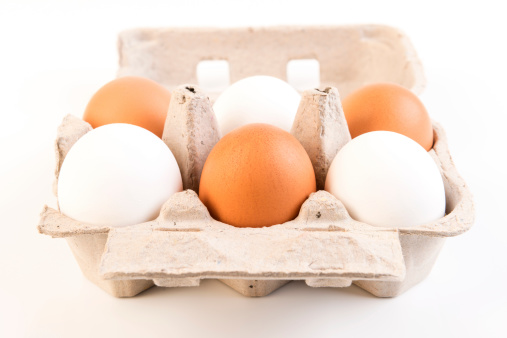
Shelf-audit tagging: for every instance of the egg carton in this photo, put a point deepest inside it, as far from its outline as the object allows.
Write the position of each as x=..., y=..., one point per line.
x=323, y=246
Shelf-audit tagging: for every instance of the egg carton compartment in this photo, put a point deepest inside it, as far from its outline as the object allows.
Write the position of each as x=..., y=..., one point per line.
x=322, y=246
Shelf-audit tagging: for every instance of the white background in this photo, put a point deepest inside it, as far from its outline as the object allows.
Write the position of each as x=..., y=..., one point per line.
x=55, y=54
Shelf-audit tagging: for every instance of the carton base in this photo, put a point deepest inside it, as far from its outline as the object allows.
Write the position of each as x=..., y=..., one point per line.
x=87, y=250
x=420, y=254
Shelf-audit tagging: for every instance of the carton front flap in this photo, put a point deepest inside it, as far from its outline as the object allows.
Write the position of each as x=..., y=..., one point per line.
x=336, y=248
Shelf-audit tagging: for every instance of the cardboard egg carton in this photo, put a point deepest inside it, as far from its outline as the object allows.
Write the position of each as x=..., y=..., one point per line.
x=323, y=245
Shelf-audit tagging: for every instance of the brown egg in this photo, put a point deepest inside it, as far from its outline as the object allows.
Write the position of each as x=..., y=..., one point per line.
x=390, y=107
x=133, y=100
x=257, y=175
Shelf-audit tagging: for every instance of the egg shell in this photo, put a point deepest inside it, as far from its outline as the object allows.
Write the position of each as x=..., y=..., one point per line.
x=257, y=175
x=129, y=99
x=388, y=107
x=257, y=99
x=387, y=179
x=117, y=175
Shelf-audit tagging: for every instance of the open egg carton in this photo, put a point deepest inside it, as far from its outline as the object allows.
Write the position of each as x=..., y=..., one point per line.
x=323, y=245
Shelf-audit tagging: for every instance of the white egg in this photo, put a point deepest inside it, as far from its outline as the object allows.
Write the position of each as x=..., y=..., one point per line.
x=257, y=99
x=117, y=175
x=387, y=179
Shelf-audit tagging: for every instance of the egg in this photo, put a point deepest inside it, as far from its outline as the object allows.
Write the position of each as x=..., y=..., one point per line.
x=389, y=107
x=117, y=175
x=257, y=175
x=134, y=100
x=386, y=179
x=257, y=99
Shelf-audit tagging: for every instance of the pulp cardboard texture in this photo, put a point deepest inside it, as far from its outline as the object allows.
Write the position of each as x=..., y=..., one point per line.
x=348, y=56
x=323, y=245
